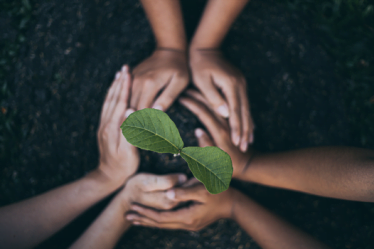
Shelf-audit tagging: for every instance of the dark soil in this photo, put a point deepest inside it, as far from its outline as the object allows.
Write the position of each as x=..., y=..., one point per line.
x=72, y=51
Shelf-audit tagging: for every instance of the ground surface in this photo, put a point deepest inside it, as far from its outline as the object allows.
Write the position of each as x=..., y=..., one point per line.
x=73, y=48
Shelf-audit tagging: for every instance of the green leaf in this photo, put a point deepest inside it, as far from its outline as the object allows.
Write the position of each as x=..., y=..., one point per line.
x=210, y=165
x=151, y=129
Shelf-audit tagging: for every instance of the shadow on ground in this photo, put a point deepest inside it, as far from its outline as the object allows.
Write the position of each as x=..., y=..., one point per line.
x=72, y=52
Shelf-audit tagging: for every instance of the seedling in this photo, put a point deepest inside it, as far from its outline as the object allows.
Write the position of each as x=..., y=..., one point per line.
x=151, y=129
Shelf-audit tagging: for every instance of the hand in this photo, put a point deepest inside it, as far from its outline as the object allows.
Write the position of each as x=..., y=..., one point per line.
x=218, y=128
x=151, y=190
x=165, y=70
x=205, y=209
x=118, y=158
x=212, y=74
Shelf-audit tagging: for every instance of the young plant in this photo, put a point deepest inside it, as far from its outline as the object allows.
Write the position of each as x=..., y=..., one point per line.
x=151, y=129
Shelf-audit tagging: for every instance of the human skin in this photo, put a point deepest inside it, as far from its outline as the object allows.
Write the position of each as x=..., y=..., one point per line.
x=143, y=189
x=267, y=229
x=27, y=223
x=166, y=70
x=223, y=85
x=337, y=172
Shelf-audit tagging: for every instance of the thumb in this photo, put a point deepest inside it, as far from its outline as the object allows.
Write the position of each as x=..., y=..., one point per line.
x=203, y=138
x=191, y=193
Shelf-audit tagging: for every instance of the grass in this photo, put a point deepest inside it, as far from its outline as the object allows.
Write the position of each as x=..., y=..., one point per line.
x=346, y=31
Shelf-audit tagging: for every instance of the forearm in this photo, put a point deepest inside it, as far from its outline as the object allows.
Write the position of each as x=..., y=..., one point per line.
x=338, y=172
x=166, y=20
x=106, y=229
x=27, y=223
x=216, y=21
x=268, y=230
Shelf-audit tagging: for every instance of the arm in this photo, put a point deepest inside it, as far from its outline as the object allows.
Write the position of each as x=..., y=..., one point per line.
x=268, y=230
x=215, y=23
x=338, y=172
x=265, y=228
x=144, y=189
x=27, y=223
x=166, y=20
x=166, y=69
x=223, y=85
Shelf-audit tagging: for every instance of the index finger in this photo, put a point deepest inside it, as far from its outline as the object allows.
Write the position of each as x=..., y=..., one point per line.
x=179, y=216
x=205, y=116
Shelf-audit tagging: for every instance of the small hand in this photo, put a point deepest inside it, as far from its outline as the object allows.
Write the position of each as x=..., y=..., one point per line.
x=205, y=209
x=218, y=129
x=151, y=190
x=166, y=71
x=118, y=158
x=212, y=74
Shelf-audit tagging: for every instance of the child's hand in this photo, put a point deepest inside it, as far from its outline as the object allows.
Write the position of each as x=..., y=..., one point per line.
x=205, y=209
x=212, y=74
x=151, y=190
x=218, y=129
x=118, y=158
x=164, y=71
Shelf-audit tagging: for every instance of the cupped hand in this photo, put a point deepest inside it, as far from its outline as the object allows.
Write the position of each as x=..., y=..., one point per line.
x=205, y=209
x=118, y=158
x=151, y=190
x=165, y=71
x=218, y=129
x=224, y=87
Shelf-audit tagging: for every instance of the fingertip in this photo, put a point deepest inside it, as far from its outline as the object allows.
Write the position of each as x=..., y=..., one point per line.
x=244, y=146
x=199, y=132
x=158, y=107
x=128, y=112
x=125, y=68
x=223, y=110
x=235, y=138
x=170, y=194
x=251, y=138
x=118, y=74
x=182, y=179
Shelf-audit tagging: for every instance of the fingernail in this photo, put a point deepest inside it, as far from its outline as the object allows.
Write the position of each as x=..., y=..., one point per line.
x=170, y=194
x=223, y=110
x=124, y=69
x=128, y=112
x=182, y=179
x=136, y=223
x=244, y=146
x=118, y=74
x=158, y=107
x=131, y=217
x=199, y=132
x=251, y=138
x=235, y=139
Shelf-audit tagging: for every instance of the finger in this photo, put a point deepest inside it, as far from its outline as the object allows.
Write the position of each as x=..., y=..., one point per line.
x=149, y=93
x=170, y=93
x=199, y=97
x=192, y=193
x=116, y=94
x=203, y=138
x=119, y=111
x=210, y=92
x=179, y=215
x=191, y=182
x=147, y=222
x=109, y=95
x=205, y=116
x=247, y=123
x=136, y=92
x=232, y=97
x=152, y=182
x=157, y=199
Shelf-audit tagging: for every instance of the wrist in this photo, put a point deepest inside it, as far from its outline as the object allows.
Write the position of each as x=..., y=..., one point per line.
x=104, y=180
x=237, y=201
